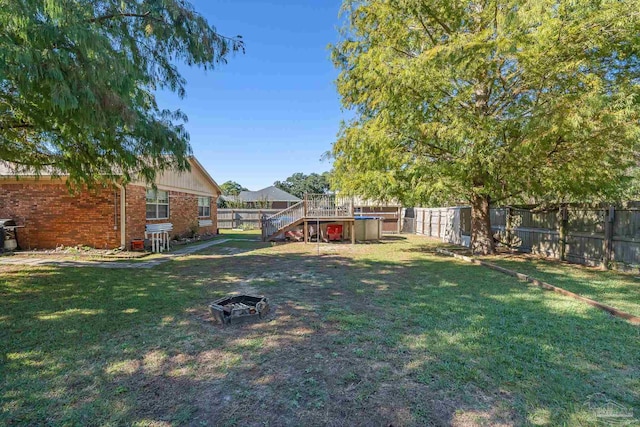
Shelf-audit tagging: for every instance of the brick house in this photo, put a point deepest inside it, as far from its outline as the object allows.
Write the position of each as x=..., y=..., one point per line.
x=110, y=216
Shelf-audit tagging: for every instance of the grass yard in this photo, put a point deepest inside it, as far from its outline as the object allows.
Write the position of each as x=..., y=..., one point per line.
x=609, y=287
x=375, y=334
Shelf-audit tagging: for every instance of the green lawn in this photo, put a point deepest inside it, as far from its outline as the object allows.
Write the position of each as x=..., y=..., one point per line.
x=241, y=234
x=373, y=334
x=609, y=287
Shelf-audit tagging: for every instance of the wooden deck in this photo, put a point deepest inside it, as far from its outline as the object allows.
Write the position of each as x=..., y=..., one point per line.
x=321, y=208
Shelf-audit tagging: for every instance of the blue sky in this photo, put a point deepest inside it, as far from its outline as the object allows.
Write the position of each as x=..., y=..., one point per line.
x=274, y=110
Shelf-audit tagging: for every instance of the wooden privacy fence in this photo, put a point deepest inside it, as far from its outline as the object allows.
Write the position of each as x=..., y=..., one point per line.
x=391, y=218
x=600, y=235
x=249, y=219
x=607, y=236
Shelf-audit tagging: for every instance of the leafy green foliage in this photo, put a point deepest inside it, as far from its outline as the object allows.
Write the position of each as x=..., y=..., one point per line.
x=298, y=184
x=232, y=188
x=500, y=100
x=77, y=84
x=230, y=203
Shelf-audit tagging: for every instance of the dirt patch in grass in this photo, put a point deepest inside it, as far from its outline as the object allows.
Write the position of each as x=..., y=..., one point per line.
x=324, y=359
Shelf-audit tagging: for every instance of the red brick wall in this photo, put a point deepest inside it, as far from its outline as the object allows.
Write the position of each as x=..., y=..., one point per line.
x=136, y=206
x=52, y=216
x=183, y=213
x=214, y=217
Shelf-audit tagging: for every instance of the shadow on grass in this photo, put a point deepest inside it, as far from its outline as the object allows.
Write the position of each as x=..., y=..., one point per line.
x=621, y=290
x=354, y=341
x=393, y=237
x=610, y=287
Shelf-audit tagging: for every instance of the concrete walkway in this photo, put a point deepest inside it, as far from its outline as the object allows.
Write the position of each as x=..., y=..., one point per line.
x=162, y=258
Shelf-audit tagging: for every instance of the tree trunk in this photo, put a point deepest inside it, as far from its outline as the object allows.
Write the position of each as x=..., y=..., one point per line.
x=481, y=236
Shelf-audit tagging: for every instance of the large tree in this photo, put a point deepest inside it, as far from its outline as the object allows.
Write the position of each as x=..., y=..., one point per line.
x=78, y=82
x=299, y=183
x=488, y=101
x=232, y=188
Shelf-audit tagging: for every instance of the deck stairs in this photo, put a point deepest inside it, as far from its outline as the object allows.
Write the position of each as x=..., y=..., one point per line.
x=314, y=207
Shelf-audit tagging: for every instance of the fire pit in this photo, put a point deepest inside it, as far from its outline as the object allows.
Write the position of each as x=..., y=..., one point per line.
x=239, y=309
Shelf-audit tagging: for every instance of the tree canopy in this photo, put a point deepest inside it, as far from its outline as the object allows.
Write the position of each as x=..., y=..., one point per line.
x=299, y=183
x=488, y=102
x=232, y=188
x=78, y=82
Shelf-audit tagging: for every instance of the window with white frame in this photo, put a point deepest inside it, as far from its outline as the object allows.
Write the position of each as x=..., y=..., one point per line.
x=157, y=204
x=204, y=207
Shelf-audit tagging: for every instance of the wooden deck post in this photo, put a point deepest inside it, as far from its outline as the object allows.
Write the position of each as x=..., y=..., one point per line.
x=304, y=204
x=352, y=228
x=306, y=232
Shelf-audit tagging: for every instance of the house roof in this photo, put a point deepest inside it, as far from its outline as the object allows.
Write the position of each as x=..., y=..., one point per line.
x=13, y=170
x=10, y=170
x=271, y=194
x=197, y=164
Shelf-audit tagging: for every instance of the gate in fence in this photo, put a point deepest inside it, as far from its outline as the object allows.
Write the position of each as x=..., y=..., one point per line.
x=247, y=219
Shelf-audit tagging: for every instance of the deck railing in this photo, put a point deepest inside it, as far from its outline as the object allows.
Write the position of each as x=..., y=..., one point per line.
x=328, y=206
x=276, y=222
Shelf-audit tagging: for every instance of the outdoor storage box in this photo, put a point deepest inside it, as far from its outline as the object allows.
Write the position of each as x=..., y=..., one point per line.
x=334, y=231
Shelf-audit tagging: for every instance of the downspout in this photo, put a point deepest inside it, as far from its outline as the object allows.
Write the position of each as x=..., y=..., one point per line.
x=123, y=216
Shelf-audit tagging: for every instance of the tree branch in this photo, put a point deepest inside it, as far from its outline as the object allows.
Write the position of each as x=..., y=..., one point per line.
x=426, y=30
x=444, y=26
x=148, y=15
x=448, y=154
x=119, y=15
x=30, y=164
x=16, y=126
x=555, y=148
x=404, y=52
x=507, y=196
